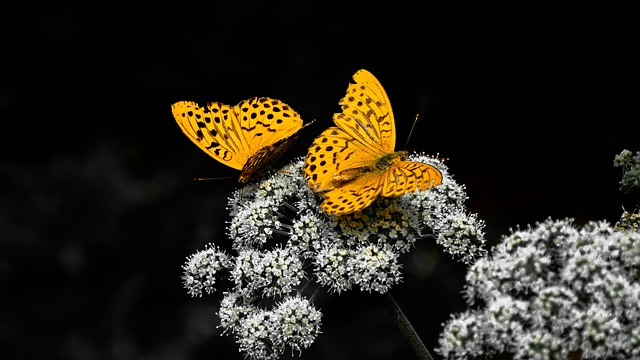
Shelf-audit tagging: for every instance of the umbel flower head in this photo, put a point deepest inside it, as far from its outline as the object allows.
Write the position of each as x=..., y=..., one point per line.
x=284, y=243
x=550, y=291
x=630, y=165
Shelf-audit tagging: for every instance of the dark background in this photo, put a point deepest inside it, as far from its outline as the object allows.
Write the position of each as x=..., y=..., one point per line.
x=98, y=209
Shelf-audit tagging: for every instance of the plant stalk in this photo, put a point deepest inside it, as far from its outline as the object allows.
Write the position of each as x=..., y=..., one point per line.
x=406, y=328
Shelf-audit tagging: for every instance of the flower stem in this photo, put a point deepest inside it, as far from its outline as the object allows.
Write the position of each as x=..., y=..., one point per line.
x=406, y=328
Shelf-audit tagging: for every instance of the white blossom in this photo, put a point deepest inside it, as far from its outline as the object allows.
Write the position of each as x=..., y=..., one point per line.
x=201, y=269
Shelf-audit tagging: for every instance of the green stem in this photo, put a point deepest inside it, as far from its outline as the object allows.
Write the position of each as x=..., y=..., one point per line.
x=406, y=328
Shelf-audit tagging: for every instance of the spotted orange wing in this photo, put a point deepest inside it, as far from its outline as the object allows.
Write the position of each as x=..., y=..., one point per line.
x=364, y=131
x=249, y=136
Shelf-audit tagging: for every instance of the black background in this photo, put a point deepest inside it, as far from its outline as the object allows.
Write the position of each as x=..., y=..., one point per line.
x=98, y=209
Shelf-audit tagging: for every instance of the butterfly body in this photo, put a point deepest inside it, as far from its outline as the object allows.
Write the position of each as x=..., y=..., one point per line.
x=354, y=162
x=388, y=160
x=249, y=136
x=381, y=164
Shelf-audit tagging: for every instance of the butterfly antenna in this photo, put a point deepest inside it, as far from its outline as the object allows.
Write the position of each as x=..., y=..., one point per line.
x=212, y=178
x=411, y=131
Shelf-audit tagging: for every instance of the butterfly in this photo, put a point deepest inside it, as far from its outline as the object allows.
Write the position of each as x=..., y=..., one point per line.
x=354, y=162
x=249, y=137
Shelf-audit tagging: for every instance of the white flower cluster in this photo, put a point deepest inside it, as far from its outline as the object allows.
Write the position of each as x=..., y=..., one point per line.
x=442, y=210
x=630, y=165
x=551, y=292
x=269, y=273
x=282, y=237
x=201, y=268
x=265, y=334
x=629, y=221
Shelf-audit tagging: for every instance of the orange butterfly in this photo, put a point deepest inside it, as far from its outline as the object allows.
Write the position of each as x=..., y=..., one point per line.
x=249, y=137
x=354, y=162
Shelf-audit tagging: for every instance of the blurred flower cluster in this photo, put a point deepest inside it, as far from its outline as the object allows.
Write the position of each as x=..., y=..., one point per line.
x=630, y=165
x=553, y=291
x=286, y=247
x=556, y=291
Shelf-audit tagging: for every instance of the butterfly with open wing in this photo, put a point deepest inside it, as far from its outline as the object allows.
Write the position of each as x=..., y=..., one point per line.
x=354, y=162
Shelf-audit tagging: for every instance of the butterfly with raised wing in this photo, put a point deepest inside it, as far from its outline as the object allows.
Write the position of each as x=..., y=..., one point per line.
x=249, y=136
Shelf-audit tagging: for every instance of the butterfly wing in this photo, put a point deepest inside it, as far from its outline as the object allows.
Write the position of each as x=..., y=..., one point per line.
x=353, y=196
x=367, y=115
x=402, y=177
x=364, y=133
x=267, y=155
x=264, y=121
x=214, y=129
x=249, y=136
x=333, y=158
x=408, y=176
